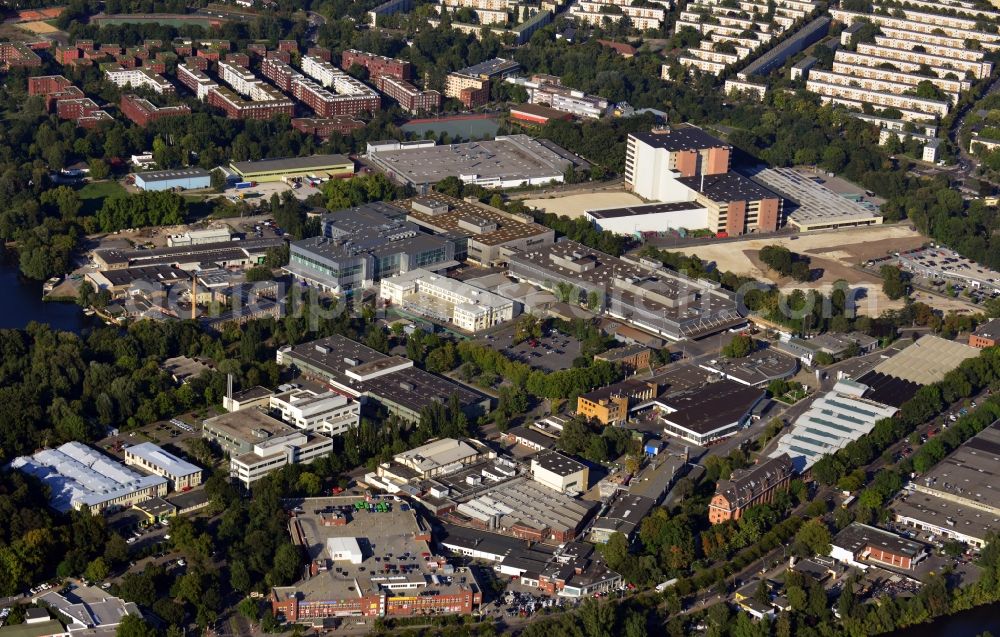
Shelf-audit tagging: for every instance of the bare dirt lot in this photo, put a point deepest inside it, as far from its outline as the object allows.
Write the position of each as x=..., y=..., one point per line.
x=835, y=254
x=574, y=206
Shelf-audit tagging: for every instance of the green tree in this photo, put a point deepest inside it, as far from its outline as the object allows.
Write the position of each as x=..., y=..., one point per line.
x=740, y=346
x=894, y=283
x=134, y=626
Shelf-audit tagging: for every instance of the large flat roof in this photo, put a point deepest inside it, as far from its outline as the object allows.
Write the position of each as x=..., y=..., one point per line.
x=376, y=229
x=682, y=137
x=758, y=368
x=203, y=252
x=856, y=537
x=511, y=157
x=643, y=209
x=523, y=502
x=412, y=388
x=462, y=216
x=313, y=162
x=168, y=175
x=728, y=187
x=928, y=360
x=816, y=204
x=557, y=463
x=713, y=406
x=385, y=539
x=971, y=473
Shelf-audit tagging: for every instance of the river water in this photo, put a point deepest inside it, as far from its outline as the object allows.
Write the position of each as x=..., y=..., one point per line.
x=23, y=304
x=970, y=623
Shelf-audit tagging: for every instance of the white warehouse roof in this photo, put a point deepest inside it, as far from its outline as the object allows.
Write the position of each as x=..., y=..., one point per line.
x=78, y=475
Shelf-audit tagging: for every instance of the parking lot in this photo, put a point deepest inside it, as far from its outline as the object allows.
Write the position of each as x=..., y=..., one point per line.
x=263, y=191
x=944, y=271
x=552, y=352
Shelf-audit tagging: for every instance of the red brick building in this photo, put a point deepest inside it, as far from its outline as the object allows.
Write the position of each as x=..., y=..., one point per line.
x=18, y=54
x=196, y=62
x=320, y=52
x=236, y=107
x=288, y=45
x=47, y=84
x=325, y=127
x=142, y=111
x=241, y=59
x=284, y=56
x=986, y=335
x=410, y=98
x=377, y=65
x=744, y=489
x=279, y=73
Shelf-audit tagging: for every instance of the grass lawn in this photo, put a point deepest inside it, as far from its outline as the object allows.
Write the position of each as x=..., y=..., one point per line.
x=93, y=194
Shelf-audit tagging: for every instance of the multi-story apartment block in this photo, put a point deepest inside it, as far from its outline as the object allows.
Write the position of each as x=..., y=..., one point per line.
x=84, y=111
x=926, y=23
x=18, y=54
x=138, y=78
x=142, y=111
x=911, y=106
x=238, y=108
x=264, y=100
x=410, y=98
x=196, y=80
x=596, y=12
x=876, y=84
x=278, y=72
x=322, y=101
x=320, y=70
x=734, y=33
x=68, y=101
x=241, y=79
x=349, y=96
x=471, y=91
x=978, y=68
x=377, y=65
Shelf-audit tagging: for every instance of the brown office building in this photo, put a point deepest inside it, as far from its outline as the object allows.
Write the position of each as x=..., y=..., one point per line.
x=744, y=489
x=609, y=405
x=630, y=357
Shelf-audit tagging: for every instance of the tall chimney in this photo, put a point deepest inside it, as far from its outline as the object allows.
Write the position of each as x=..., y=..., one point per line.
x=194, y=296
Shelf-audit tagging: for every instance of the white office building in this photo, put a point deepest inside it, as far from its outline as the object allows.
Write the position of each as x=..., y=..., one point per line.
x=448, y=300
x=329, y=413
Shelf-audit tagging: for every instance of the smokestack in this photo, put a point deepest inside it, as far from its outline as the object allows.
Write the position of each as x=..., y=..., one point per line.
x=194, y=296
x=229, y=387
x=702, y=189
